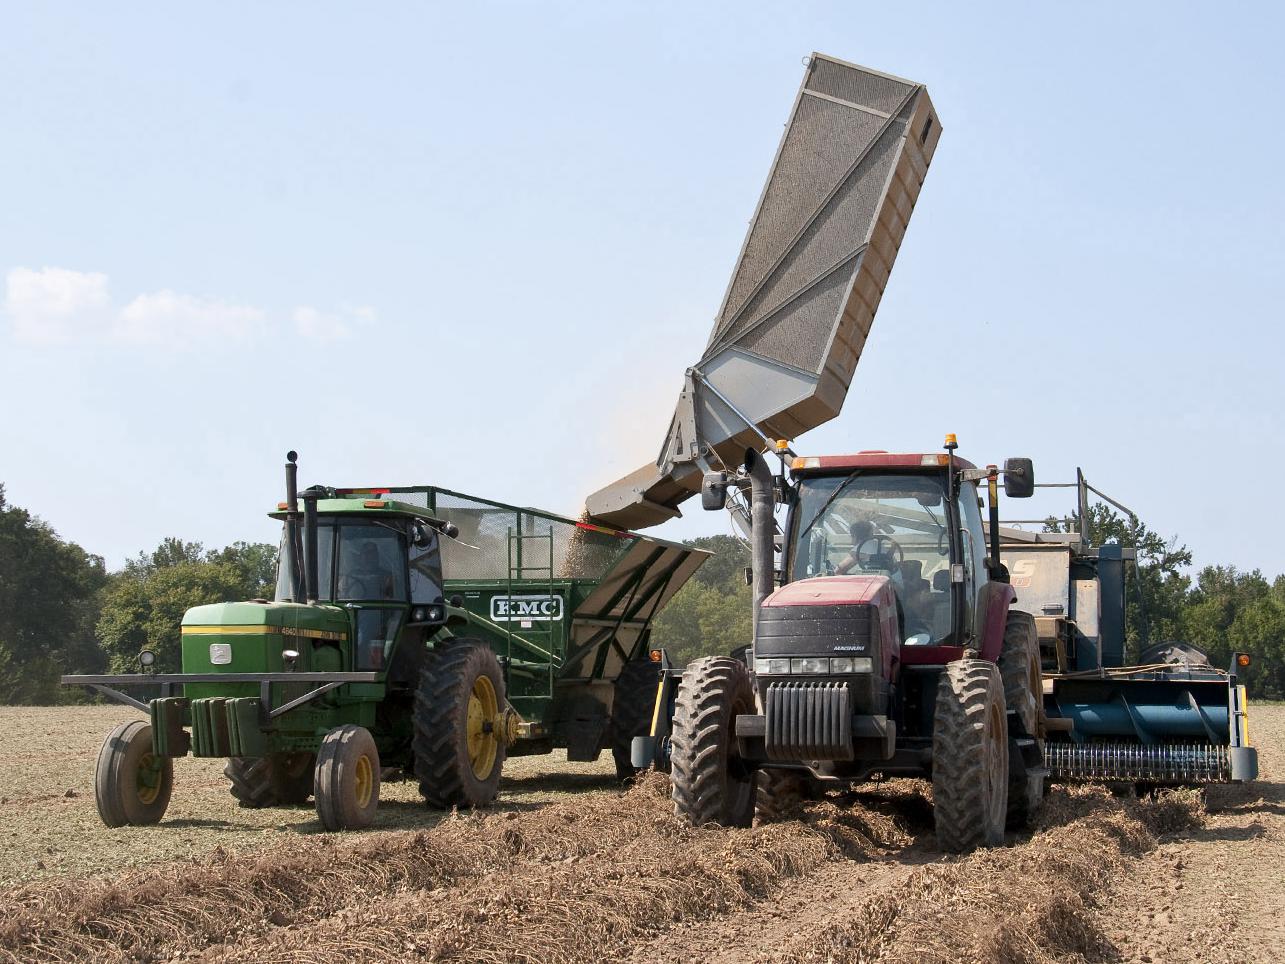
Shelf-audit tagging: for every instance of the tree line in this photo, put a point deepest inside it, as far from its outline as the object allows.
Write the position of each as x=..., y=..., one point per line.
x=62, y=611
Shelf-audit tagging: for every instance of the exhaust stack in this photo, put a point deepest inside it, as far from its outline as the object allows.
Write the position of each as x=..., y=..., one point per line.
x=762, y=531
x=294, y=544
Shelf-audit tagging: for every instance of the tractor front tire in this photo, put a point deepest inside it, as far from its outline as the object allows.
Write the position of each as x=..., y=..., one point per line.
x=631, y=709
x=970, y=756
x=346, y=779
x=282, y=779
x=779, y=795
x=711, y=783
x=1019, y=668
x=459, y=745
x=132, y=785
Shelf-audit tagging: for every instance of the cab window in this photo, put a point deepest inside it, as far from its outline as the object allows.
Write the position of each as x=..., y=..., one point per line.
x=325, y=563
x=371, y=563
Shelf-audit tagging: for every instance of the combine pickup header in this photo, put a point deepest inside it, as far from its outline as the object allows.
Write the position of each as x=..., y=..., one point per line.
x=1170, y=719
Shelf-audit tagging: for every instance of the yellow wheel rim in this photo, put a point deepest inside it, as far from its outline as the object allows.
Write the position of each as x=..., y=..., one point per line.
x=148, y=783
x=364, y=785
x=483, y=742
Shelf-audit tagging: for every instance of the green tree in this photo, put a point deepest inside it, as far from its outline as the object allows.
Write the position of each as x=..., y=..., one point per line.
x=48, y=603
x=143, y=606
x=1229, y=612
x=711, y=615
x=257, y=563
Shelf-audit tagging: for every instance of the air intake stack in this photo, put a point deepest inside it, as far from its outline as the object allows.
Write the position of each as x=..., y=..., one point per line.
x=806, y=286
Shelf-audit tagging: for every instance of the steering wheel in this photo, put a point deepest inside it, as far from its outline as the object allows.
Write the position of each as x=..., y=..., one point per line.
x=878, y=558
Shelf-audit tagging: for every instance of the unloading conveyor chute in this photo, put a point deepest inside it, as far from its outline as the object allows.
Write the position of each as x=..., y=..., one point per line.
x=806, y=286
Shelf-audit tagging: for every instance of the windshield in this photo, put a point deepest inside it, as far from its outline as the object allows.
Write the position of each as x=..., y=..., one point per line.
x=356, y=560
x=892, y=525
x=371, y=563
x=325, y=563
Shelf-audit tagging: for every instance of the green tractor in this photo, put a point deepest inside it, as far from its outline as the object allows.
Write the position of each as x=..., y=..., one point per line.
x=415, y=631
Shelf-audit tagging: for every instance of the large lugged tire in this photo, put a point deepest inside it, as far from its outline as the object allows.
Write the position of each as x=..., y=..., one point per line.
x=711, y=784
x=346, y=779
x=970, y=756
x=779, y=795
x=250, y=781
x=292, y=777
x=459, y=713
x=1019, y=668
x=282, y=779
x=631, y=710
x=131, y=784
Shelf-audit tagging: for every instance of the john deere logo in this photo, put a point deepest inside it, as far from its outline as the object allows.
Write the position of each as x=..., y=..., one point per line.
x=526, y=608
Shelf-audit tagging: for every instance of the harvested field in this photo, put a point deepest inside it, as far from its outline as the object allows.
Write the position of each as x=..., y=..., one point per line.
x=556, y=875
x=49, y=825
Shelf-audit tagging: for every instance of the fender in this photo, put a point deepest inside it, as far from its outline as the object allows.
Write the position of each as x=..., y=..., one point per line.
x=994, y=601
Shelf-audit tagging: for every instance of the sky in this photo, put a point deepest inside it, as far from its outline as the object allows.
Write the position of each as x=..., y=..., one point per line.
x=476, y=246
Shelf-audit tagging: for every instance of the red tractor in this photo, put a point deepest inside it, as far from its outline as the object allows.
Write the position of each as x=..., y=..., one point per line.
x=887, y=643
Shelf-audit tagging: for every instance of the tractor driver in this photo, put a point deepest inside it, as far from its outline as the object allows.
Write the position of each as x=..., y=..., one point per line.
x=860, y=531
x=369, y=578
x=908, y=584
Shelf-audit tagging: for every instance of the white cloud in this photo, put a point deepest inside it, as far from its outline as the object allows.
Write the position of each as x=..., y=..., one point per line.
x=54, y=305
x=167, y=316
x=58, y=305
x=331, y=325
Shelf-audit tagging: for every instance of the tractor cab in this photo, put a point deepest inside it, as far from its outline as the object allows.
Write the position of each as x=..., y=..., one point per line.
x=378, y=559
x=913, y=521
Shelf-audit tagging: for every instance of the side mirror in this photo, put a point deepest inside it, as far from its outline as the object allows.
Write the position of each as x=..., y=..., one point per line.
x=1019, y=478
x=713, y=491
x=420, y=536
x=450, y=530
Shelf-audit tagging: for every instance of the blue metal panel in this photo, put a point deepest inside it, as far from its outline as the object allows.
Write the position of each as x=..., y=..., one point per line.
x=1111, y=625
x=1145, y=710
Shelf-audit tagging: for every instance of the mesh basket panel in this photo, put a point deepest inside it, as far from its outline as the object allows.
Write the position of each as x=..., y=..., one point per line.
x=481, y=551
x=844, y=222
x=856, y=86
x=817, y=152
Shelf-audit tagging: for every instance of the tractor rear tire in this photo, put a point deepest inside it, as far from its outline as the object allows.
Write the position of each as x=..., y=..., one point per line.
x=132, y=785
x=631, y=710
x=292, y=777
x=779, y=795
x=346, y=779
x=970, y=756
x=282, y=779
x=1019, y=667
x=711, y=783
x=250, y=781
x=459, y=745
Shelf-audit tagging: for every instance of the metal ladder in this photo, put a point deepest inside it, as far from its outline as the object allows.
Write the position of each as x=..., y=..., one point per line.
x=541, y=634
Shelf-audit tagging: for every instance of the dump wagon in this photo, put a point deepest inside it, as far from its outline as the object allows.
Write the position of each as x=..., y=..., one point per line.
x=414, y=631
x=1169, y=719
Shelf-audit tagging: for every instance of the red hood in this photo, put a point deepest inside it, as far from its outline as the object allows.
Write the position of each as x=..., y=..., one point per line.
x=867, y=590
x=829, y=591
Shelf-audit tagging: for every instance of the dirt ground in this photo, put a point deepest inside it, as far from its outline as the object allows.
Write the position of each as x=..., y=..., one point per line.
x=566, y=867
x=49, y=825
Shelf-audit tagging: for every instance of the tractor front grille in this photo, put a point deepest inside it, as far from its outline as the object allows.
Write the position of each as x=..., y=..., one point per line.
x=808, y=721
